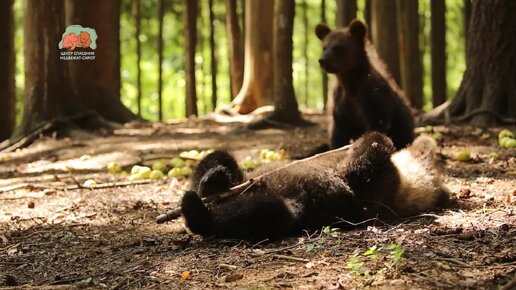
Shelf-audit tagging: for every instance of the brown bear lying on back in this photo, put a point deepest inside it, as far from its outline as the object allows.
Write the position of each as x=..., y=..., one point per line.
x=365, y=97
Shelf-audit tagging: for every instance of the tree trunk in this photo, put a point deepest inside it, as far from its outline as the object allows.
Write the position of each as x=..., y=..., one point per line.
x=213, y=57
x=410, y=55
x=487, y=94
x=161, y=15
x=384, y=32
x=97, y=82
x=285, y=105
x=467, y=17
x=190, y=14
x=346, y=11
x=256, y=89
x=48, y=91
x=138, y=26
x=438, y=51
x=7, y=87
x=236, y=59
x=286, y=108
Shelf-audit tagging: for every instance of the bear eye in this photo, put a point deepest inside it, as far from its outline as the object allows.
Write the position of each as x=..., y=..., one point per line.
x=339, y=49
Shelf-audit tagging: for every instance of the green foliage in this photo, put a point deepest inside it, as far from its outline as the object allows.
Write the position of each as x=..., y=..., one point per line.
x=391, y=256
x=355, y=265
x=319, y=242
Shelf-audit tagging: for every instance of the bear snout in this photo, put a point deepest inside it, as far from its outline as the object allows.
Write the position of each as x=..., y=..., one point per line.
x=327, y=66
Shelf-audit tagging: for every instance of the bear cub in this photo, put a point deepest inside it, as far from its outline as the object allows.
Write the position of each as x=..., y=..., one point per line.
x=365, y=97
x=340, y=188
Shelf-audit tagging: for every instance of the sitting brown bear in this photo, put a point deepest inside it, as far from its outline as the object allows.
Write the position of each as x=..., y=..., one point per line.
x=365, y=97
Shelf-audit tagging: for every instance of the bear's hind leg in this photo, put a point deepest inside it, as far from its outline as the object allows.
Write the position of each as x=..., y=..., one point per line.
x=367, y=168
x=216, y=173
x=252, y=216
x=255, y=216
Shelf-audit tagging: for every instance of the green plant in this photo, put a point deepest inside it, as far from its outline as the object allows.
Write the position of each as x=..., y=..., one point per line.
x=321, y=240
x=392, y=254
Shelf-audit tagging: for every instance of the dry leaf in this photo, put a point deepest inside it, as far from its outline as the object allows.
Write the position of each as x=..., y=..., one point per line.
x=185, y=275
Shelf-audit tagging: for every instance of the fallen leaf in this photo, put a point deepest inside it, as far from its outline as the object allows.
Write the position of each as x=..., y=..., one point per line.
x=185, y=275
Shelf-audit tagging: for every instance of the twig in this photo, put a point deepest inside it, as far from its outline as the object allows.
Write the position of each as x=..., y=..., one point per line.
x=13, y=263
x=456, y=262
x=18, y=186
x=341, y=221
x=243, y=187
x=228, y=266
x=290, y=258
x=109, y=185
x=70, y=280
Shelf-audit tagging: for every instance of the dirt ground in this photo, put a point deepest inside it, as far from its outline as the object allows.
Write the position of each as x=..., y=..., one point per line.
x=57, y=234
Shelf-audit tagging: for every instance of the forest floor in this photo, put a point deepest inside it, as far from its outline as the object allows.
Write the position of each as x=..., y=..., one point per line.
x=57, y=234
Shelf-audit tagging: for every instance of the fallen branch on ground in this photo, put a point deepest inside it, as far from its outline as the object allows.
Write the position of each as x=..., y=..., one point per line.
x=73, y=187
x=243, y=187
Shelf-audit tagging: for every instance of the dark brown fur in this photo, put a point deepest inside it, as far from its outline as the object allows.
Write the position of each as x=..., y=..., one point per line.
x=338, y=186
x=365, y=97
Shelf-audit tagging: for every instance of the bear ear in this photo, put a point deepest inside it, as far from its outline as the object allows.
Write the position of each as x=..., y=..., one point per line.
x=358, y=29
x=321, y=30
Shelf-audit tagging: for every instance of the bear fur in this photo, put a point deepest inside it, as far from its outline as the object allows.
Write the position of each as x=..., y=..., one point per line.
x=339, y=189
x=365, y=97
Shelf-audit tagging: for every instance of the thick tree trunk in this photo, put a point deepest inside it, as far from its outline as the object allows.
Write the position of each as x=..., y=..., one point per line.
x=97, y=82
x=467, y=17
x=236, y=59
x=48, y=92
x=438, y=51
x=384, y=33
x=487, y=94
x=285, y=105
x=7, y=87
x=190, y=14
x=410, y=55
x=256, y=89
x=346, y=11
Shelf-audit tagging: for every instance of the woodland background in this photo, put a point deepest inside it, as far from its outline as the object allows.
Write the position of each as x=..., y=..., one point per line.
x=152, y=73
x=68, y=222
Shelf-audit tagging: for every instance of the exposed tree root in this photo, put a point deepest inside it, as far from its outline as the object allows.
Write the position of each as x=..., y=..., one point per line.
x=271, y=122
x=84, y=121
x=443, y=115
